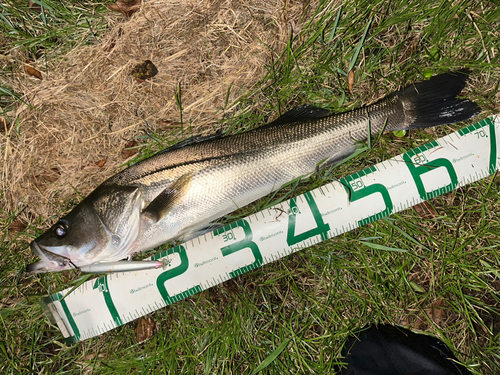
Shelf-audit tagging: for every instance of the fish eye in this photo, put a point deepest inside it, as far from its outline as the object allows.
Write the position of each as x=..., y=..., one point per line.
x=60, y=230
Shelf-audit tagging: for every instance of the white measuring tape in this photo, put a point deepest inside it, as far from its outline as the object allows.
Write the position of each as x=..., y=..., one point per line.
x=436, y=168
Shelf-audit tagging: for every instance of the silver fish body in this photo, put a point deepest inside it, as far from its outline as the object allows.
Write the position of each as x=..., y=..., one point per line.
x=177, y=192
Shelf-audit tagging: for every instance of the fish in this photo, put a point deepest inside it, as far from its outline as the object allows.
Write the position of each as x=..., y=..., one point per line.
x=177, y=193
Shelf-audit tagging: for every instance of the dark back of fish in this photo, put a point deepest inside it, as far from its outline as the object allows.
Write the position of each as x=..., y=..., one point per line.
x=176, y=193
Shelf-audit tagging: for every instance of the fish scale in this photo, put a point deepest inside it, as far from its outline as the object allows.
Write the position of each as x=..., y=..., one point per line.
x=178, y=193
x=100, y=305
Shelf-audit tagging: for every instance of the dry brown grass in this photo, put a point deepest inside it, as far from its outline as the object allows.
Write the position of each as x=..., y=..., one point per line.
x=89, y=106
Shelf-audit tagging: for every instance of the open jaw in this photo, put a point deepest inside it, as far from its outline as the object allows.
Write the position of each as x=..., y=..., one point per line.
x=49, y=262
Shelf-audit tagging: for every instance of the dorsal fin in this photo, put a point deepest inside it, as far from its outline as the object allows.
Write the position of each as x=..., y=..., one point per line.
x=191, y=141
x=300, y=113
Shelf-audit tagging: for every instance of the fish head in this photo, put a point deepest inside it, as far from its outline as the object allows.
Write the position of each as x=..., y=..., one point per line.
x=100, y=229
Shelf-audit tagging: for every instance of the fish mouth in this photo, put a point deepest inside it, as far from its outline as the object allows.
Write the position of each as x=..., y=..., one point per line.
x=49, y=262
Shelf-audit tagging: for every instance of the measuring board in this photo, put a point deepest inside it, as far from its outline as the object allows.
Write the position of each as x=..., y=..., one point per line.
x=436, y=168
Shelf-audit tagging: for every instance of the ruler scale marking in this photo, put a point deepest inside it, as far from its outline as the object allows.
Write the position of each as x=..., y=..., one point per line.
x=393, y=185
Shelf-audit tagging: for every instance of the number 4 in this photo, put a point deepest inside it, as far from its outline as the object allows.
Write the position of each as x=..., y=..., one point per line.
x=321, y=228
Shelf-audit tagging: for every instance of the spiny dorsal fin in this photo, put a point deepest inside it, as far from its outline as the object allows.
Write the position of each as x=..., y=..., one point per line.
x=163, y=203
x=191, y=141
x=300, y=113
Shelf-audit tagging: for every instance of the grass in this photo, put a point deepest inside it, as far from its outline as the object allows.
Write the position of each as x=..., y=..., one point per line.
x=295, y=314
x=56, y=29
x=43, y=31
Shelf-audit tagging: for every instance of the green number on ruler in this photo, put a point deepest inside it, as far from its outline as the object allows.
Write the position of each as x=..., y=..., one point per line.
x=493, y=146
x=479, y=126
x=321, y=228
x=102, y=285
x=359, y=190
x=74, y=327
x=245, y=243
x=174, y=272
x=418, y=170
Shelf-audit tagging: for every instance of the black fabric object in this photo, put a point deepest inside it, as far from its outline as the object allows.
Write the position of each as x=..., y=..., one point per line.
x=392, y=350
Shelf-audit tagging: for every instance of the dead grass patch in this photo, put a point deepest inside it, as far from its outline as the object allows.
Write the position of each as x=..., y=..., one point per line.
x=89, y=106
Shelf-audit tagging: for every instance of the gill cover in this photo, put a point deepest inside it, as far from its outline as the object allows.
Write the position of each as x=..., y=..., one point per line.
x=100, y=229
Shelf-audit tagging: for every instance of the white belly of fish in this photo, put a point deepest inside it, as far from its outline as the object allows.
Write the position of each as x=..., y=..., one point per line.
x=219, y=190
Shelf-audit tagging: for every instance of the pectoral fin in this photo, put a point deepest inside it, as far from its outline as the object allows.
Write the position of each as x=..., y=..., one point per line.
x=166, y=200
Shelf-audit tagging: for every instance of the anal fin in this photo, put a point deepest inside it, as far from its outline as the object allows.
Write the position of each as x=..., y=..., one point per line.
x=341, y=156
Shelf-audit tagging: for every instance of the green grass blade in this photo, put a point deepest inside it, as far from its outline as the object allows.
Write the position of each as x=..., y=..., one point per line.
x=359, y=46
x=382, y=247
x=335, y=24
x=271, y=357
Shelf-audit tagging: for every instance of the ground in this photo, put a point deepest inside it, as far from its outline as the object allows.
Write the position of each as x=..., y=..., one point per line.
x=230, y=66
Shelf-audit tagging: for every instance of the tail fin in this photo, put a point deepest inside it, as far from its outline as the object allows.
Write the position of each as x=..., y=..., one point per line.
x=434, y=102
